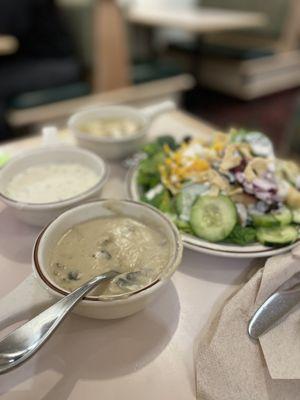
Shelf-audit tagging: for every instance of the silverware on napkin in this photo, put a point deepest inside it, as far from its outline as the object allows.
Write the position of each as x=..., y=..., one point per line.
x=276, y=307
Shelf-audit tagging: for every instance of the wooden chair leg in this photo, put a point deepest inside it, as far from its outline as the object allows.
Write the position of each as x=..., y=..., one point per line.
x=111, y=54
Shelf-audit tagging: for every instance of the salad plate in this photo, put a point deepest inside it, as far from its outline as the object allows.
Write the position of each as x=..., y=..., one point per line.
x=264, y=224
x=191, y=242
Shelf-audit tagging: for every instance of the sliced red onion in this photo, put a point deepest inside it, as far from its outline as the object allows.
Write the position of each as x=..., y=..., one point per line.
x=240, y=177
x=264, y=185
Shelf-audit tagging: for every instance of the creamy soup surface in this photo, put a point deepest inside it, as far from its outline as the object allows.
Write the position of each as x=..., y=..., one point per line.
x=111, y=127
x=51, y=182
x=111, y=243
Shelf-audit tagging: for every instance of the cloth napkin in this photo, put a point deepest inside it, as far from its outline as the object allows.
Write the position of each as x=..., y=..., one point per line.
x=230, y=365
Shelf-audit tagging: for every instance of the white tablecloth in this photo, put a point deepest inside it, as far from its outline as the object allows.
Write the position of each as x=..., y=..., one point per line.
x=143, y=357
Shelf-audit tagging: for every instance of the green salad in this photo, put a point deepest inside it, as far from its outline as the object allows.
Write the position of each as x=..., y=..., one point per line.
x=231, y=190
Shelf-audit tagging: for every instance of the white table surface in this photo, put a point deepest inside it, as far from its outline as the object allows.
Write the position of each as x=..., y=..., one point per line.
x=195, y=19
x=143, y=357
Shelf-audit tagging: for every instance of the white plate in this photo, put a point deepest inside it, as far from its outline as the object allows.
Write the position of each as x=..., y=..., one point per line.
x=255, y=250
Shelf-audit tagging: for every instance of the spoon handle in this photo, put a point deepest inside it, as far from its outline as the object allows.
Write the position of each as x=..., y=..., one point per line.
x=23, y=342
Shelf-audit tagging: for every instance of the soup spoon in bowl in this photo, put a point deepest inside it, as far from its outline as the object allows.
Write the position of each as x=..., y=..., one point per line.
x=22, y=343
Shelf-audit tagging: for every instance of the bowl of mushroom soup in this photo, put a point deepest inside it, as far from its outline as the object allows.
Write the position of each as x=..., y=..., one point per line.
x=96, y=237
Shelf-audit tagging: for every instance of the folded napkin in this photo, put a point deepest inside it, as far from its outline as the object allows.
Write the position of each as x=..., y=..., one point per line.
x=230, y=365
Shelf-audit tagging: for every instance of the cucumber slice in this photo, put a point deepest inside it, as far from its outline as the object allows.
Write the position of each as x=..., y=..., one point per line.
x=186, y=198
x=213, y=218
x=280, y=235
x=283, y=216
x=264, y=220
x=296, y=216
x=274, y=218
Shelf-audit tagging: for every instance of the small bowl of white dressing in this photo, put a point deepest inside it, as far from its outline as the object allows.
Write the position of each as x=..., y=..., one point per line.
x=40, y=184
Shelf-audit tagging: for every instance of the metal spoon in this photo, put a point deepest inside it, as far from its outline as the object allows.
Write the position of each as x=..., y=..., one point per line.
x=23, y=342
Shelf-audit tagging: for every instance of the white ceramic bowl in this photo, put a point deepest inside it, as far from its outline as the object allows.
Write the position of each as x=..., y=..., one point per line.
x=40, y=214
x=116, y=148
x=107, y=308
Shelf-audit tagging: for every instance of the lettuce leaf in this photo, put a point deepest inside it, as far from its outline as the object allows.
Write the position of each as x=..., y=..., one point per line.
x=163, y=201
x=242, y=235
x=155, y=147
x=148, y=174
x=183, y=226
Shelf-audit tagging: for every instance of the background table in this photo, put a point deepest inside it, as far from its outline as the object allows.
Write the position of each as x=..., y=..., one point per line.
x=198, y=20
x=143, y=357
x=111, y=41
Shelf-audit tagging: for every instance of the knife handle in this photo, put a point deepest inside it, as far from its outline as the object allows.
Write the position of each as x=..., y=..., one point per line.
x=277, y=306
